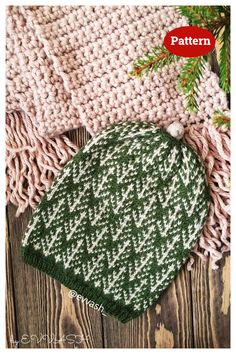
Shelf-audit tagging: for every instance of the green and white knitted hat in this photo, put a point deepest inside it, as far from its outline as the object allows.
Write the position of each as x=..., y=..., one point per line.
x=122, y=217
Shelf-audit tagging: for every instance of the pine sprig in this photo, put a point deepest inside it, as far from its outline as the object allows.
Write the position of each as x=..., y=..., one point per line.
x=199, y=15
x=188, y=81
x=224, y=60
x=221, y=23
x=156, y=59
x=217, y=20
x=221, y=120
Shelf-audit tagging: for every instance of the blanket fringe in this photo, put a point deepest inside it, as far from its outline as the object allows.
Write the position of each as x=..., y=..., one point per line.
x=32, y=161
x=213, y=146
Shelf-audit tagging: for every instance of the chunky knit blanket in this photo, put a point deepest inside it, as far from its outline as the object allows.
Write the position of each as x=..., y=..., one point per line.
x=68, y=67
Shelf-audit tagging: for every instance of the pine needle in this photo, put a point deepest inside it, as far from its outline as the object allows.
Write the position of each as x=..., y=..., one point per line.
x=188, y=81
x=217, y=20
x=151, y=62
x=220, y=119
x=224, y=61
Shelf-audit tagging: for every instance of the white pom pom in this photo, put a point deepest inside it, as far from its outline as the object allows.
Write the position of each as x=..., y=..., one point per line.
x=176, y=129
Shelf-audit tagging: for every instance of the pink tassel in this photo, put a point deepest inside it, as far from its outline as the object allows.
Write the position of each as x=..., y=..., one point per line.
x=32, y=162
x=213, y=146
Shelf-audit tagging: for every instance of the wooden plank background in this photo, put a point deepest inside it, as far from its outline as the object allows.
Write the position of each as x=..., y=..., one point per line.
x=194, y=312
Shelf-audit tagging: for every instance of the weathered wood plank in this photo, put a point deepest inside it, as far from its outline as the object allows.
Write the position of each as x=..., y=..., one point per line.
x=174, y=314
x=11, y=330
x=166, y=324
x=192, y=312
x=132, y=334
x=79, y=136
x=46, y=316
x=210, y=294
x=29, y=286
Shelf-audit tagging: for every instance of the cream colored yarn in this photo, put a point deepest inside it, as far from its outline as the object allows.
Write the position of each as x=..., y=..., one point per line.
x=68, y=66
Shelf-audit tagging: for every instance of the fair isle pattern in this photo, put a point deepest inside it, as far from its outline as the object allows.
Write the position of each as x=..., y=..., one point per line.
x=121, y=219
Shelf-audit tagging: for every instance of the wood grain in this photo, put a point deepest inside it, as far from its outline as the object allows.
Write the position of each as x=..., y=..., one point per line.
x=210, y=324
x=174, y=315
x=11, y=330
x=192, y=313
x=166, y=324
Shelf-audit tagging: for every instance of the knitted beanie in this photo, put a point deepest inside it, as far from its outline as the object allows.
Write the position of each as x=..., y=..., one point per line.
x=122, y=217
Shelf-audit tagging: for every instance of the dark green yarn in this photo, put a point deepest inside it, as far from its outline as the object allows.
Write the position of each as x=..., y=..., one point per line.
x=128, y=149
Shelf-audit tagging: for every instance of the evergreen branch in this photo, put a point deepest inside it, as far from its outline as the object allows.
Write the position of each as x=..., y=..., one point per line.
x=213, y=18
x=198, y=15
x=156, y=59
x=217, y=26
x=217, y=20
x=224, y=60
x=215, y=11
x=188, y=80
x=222, y=10
x=220, y=119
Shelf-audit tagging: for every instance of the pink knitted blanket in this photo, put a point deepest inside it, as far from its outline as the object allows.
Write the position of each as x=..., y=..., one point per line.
x=68, y=66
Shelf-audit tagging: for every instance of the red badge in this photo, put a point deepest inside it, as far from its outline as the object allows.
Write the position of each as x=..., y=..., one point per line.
x=189, y=41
